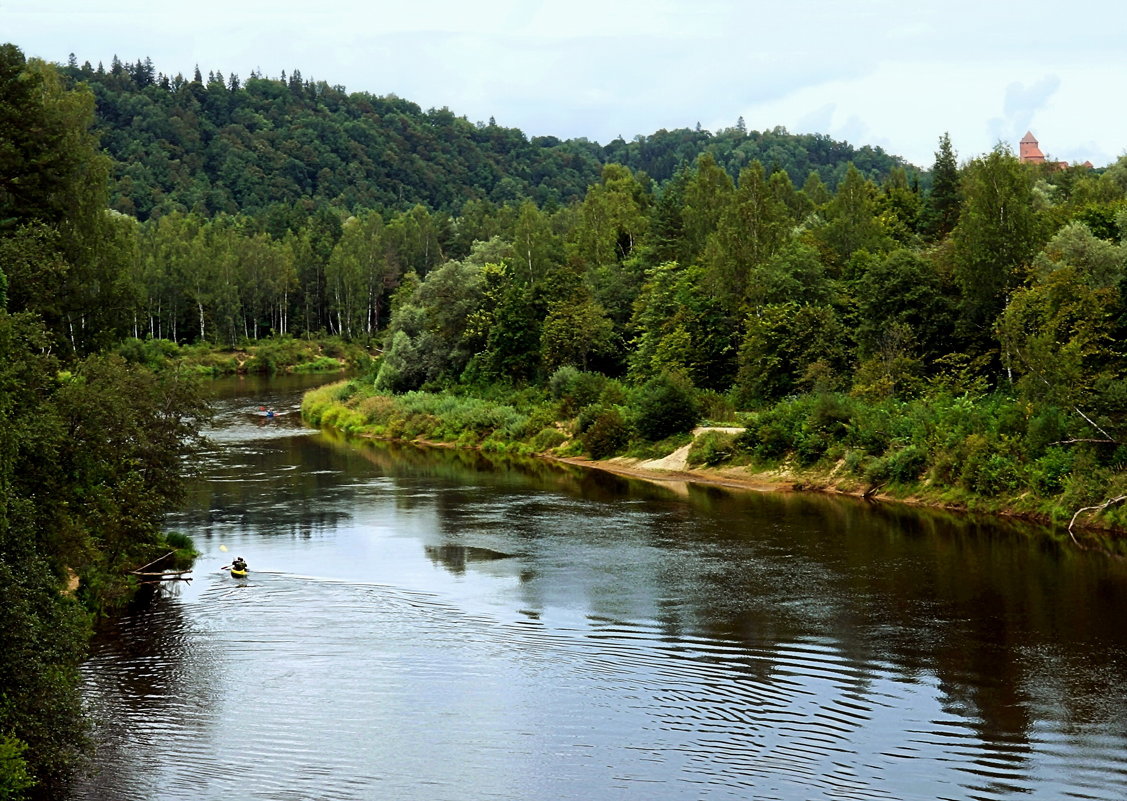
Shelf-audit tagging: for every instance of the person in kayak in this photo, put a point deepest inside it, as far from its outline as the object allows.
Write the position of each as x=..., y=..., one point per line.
x=239, y=564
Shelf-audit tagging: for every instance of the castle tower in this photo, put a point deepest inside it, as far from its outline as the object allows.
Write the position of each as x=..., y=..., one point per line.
x=1028, y=151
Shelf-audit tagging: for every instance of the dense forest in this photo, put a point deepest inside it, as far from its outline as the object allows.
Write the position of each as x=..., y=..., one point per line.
x=257, y=147
x=959, y=328
x=91, y=446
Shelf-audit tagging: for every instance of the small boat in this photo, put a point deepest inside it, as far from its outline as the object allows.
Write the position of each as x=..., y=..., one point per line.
x=239, y=573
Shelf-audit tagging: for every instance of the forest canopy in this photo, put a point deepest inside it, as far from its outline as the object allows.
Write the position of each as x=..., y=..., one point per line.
x=223, y=144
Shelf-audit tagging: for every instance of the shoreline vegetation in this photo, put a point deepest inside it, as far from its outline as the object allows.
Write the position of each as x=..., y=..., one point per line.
x=267, y=356
x=827, y=443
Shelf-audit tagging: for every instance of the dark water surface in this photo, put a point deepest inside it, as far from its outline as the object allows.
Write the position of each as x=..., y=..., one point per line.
x=428, y=626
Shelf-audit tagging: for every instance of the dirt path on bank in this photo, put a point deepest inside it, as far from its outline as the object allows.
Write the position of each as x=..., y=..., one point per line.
x=735, y=478
x=674, y=468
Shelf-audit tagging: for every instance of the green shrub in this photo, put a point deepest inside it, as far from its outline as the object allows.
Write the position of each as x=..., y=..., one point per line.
x=771, y=440
x=907, y=464
x=15, y=777
x=666, y=405
x=992, y=476
x=322, y=364
x=608, y=433
x=562, y=380
x=586, y=417
x=876, y=471
x=537, y=419
x=716, y=407
x=712, y=448
x=185, y=550
x=547, y=439
x=1046, y=427
x=575, y=389
x=856, y=461
x=1051, y=470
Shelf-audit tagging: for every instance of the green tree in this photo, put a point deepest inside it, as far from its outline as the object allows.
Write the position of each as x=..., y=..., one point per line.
x=535, y=245
x=612, y=218
x=53, y=174
x=1055, y=337
x=751, y=228
x=433, y=334
x=851, y=220
x=577, y=333
x=361, y=270
x=899, y=207
x=941, y=210
x=905, y=290
x=707, y=193
x=995, y=239
x=790, y=347
x=680, y=327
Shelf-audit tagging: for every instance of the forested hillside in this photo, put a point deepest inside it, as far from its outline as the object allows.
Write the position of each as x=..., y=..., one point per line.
x=223, y=144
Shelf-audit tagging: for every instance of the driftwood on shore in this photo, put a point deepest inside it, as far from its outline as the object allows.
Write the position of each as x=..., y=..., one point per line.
x=1097, y=508
x=160, y=575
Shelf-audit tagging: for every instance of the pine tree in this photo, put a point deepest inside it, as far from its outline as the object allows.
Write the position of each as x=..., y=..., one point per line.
x=943, y=203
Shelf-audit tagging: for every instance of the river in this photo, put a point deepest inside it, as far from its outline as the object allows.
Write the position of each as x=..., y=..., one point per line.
x=430, y=625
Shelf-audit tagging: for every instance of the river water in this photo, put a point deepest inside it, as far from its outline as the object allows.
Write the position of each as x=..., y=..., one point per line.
x=428, y=625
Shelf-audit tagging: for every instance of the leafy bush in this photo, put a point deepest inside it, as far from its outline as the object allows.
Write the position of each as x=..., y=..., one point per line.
x=547, y=439
x=712, y=448
x=608, y=433
x=992, y=475
x=15, y=777
x=716, y=407
x=155, y=354
x=666, y=405
x=876, y=471
x=586, y=417
x=322, y=364
x=1046, y=427
x=906, y=464
x=184, y=549
x=1051, y=470
x=575, y=388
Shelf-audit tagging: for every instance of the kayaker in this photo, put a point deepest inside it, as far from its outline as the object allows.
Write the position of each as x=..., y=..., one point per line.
x=239, y=564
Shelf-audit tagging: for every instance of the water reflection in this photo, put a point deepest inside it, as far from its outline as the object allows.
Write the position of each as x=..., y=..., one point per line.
x=436, y=624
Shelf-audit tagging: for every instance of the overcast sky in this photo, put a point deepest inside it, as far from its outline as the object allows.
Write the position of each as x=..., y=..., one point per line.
x=893, y=73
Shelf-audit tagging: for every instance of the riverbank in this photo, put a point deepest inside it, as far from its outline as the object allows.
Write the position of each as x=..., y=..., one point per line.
x=263, y=356
x=945, y=452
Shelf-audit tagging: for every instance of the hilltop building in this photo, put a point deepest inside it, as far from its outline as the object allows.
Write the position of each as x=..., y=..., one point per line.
x=1029, y=152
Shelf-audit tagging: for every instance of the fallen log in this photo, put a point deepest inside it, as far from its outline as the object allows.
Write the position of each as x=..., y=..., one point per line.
x=1097, y=508
x=150, y=564
x=168, y=574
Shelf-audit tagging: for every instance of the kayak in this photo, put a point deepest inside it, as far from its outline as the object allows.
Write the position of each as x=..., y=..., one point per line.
x=238, y=573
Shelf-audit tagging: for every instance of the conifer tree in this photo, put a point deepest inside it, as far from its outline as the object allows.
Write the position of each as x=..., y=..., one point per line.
x=943, y=203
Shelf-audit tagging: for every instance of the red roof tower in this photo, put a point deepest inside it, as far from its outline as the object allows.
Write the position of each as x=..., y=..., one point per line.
x=1028, y=151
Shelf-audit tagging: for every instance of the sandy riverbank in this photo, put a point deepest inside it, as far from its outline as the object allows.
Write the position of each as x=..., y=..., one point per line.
x=675, y=468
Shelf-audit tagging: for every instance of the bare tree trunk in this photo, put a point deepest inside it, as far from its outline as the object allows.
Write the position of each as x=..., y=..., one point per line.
x=1097, y=508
